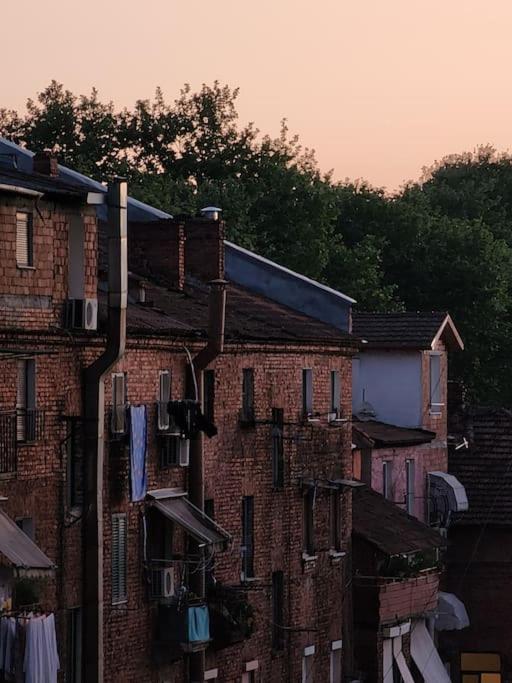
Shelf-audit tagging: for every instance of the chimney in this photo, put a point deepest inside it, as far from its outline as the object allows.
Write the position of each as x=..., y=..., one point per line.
x=158, y=249
x=46, y=163
x=204, y=246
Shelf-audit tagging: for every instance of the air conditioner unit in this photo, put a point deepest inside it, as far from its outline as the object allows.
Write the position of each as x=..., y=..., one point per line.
x=81, y=314
x=184, y=447
x=162, y=583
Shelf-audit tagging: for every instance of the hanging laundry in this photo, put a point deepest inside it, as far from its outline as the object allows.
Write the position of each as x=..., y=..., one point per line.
x=138, y=447
x=189, y=419
x=41, y=660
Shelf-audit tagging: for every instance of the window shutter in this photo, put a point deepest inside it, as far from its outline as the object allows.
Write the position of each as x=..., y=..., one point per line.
x=21, y=400
x=164, y=397
x=118, y=403
x=23, y=238
x=435, y=381
x=335, y=393
x=307, y=392
x=118, y=558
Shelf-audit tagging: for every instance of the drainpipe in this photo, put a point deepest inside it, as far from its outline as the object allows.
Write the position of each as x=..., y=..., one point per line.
x=94, y=413
x=214, y=347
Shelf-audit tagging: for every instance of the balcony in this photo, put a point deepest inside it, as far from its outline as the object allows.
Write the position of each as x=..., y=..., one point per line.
x=183, y=626
x=17, y=428
x=231, y=616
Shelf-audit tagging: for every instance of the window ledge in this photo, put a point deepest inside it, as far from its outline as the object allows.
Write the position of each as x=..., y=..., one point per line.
x=306, y=557
x=248, y=579
x=22, y=267
x=336, y=556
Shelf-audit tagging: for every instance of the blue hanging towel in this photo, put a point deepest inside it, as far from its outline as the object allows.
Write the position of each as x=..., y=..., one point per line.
x=138, y=446
x=198, y=624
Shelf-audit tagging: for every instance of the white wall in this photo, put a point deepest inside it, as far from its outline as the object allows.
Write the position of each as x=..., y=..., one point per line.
x=391, y=382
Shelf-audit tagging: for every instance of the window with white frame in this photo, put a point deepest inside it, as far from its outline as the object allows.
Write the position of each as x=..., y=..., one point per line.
x=118, y=422
x=251, y=672
x=164, y=396
x=307, y=392
x=435, y=383
x=24, y=239
x=308, y=664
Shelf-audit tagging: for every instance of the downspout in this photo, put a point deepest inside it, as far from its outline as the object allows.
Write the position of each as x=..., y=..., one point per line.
x=94, y=414
x=214, y=347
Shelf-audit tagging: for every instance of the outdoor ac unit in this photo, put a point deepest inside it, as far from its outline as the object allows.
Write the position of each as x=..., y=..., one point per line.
x=162, y=584
x=184, y=447
x=81, y=314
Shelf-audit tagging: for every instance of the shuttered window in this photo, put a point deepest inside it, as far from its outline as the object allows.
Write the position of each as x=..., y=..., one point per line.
x=164, y=396
x=335, y=393
x=277, y=448
x=25, y=400
x=248, y=395
x=118, y=403
x=435, y=383
x=209, y=395
x=24, y=239
x=307, y=392
x=410, y=494
x=119, y=548
x=248, y=537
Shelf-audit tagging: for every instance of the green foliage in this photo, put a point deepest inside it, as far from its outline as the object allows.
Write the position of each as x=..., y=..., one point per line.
x=444, y=243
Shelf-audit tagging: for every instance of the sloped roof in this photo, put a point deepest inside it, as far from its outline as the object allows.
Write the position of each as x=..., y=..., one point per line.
x=413, y=330
x=380, y=435
x=40, y=183
x=485, y=468
x=249, y=317
x=389, y=528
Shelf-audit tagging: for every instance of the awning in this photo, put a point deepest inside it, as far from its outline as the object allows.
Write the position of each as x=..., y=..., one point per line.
x=426, y=656
x=447, y=493
x=176, y=507
x=451, y=613
x=21, y=551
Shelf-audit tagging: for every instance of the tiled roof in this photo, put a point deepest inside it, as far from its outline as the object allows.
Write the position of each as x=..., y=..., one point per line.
x=485, y=468
x=249, y=317
x=380, y=435
x=389, y=528
x=415, y=330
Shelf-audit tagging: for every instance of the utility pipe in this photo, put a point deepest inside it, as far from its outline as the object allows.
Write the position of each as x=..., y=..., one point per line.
x=94, y=413
x=214, y=347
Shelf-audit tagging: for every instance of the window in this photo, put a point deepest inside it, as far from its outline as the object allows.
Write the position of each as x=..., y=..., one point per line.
x=26, y=401
x=247, y=537
x=277, y=610
x=24, y=239
x=307, y=392
x=119, y=591
x=307, y=664
x=174, y=451
x=309, y=535
x=480, y=667
x=118, y=403
x=386, y=480
x=74, y=645
x=249, y=677
x=248, y=395
x=435, y=383
x=409, y=494
x=164, y=396
x=75, y=455
x=277, y=448
x=26, y=524
x=334, y=520
x=209, y=395
x=335, y=662
x=335, y=394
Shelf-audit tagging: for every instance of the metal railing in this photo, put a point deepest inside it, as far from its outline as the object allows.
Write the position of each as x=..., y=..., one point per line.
x=8, y=440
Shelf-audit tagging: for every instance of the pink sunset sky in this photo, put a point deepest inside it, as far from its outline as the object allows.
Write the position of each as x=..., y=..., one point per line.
x=379, y=89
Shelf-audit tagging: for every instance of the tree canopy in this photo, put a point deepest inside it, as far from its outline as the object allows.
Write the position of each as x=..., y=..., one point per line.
x=442, y=243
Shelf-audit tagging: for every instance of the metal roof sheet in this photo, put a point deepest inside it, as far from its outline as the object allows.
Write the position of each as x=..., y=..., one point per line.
x=19, y=549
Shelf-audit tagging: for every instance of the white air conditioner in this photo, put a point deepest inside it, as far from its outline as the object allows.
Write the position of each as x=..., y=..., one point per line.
x=81, y=314
x=162, y=583
x=184, y=447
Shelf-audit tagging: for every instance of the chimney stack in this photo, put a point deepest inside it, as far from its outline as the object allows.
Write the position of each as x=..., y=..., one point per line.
x=46, y=163
x=204, y=245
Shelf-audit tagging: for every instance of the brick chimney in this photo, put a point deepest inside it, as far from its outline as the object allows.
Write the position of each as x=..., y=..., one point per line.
x=46, y=163
x=204, y=246
x=158, y=248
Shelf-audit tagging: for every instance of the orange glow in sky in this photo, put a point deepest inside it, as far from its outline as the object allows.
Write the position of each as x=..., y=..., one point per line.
x=379, y=88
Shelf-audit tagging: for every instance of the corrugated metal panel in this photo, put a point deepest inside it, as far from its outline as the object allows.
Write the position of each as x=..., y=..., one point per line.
x=19, y=549
x=23, y=238
x=119, y=549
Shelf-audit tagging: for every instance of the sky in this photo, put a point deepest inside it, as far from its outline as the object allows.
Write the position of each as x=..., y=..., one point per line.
x=378, y=88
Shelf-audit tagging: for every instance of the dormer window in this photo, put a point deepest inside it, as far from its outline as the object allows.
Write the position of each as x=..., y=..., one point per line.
x=24, y=239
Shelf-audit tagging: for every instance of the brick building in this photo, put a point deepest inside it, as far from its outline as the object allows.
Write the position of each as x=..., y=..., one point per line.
x=275, y=479
x=479, y=561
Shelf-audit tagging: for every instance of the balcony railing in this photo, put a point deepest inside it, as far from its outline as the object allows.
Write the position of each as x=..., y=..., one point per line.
x=29, y=425
x=8, y=434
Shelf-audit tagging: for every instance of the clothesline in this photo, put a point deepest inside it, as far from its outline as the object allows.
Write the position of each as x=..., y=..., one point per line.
x=28, y=648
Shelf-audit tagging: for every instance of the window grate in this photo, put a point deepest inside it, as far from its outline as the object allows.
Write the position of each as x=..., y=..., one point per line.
x=119, y=552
